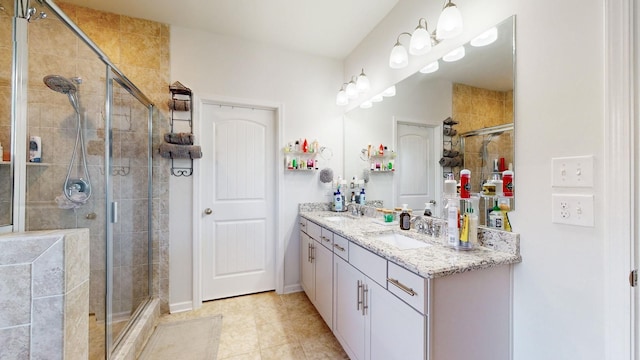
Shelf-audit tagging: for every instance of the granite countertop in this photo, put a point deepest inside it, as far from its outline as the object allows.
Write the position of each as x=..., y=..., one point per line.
x=430, y=262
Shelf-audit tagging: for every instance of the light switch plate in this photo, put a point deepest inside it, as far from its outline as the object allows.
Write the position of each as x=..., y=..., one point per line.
x=574, y=171
x=572, y=209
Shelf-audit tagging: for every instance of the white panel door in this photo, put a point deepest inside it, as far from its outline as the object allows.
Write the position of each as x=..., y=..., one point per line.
x=415, y=178
x=238, y=240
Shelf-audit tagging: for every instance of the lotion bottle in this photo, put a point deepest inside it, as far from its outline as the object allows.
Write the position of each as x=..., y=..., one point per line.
x=453, y=221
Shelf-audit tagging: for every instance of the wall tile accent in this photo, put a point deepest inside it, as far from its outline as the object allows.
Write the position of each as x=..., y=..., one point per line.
x=44, y=316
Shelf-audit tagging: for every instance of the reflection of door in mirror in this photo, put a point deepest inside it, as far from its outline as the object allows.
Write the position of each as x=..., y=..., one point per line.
x=6, y=56
x=415, y=175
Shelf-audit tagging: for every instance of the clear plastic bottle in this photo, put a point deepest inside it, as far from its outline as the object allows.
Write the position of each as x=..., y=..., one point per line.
x=453, y=223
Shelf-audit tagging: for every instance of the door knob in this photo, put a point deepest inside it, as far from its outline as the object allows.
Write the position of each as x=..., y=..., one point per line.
x=208, y=211
x=433, y=202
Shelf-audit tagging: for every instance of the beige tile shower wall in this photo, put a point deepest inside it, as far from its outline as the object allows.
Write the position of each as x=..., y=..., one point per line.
x=477, y=108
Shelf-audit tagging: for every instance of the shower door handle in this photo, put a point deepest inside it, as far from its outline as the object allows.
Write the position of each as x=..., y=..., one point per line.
x=114, y=212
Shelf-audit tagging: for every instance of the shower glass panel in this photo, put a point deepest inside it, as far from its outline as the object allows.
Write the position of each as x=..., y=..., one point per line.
x=128, y=188
x=6, y=55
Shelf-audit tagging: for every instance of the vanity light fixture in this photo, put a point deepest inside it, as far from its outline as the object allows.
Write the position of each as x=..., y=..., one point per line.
x=399, y=57
x=449, y=22
x=377, y=98
x=390, y=91
x=362, y=83
x=352, y=91
x=430, y=68
x=342, y=98
x=454, y=55
x=366, y=105
x=420, y=43
x=486, y=38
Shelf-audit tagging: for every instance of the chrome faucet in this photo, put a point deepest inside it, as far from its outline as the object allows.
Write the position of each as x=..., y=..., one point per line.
x=354, y=208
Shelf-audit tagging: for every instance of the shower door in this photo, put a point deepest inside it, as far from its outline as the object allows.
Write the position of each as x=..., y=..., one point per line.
x=128, y=204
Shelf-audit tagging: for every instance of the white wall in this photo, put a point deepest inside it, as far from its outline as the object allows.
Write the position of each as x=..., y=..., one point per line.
x=306, y=85
x=559, y=287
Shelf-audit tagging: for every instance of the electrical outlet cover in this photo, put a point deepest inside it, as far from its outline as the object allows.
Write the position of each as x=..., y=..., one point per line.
x=572, y=209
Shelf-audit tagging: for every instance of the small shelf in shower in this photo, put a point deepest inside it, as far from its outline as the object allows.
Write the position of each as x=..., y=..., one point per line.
x=37, y=164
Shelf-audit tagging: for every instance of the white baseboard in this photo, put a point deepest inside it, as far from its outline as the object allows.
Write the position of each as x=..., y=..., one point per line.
x=292, y=288
x=181, y=307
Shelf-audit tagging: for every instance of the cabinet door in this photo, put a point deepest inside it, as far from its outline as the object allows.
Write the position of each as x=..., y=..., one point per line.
x=307, y=266
x=396, y=330
x=324, y=282
x=348, y=319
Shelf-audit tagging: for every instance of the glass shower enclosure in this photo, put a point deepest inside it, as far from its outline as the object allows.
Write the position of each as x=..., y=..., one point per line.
x=82, y=159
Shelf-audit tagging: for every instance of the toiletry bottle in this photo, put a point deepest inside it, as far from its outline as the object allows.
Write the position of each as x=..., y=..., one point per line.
x=507, y=183
x=315, y=163
x=464, y=231
x=305, y=146
x=381, y=150
x=473, y=227
x=353, y=197
x=338, y=200
x=362, y=197
x=465, y=183
x=497, y=181
x=496, y=218
x=450, y=185
x=453, y=220
x=297, y=146
x=405, y=218
x=427, y=209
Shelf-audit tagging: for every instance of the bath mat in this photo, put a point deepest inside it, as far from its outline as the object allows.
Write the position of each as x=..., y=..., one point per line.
x=196, y=339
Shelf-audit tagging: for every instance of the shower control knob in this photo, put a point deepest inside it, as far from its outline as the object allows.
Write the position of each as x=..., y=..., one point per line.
x=208, y=211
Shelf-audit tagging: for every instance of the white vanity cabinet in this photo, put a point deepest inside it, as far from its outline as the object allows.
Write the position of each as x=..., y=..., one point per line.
x=317, y=268
x=369, y=321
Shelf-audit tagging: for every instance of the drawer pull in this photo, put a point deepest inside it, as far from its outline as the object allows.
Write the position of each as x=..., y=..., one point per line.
x=365, y=302
x=324, y=238
x=338, y=247
x=402, y=287
x=359, y=294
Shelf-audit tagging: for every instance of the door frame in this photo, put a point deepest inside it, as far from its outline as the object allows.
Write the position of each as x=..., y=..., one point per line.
x=620, y=197
x=437, y=131
x=278, y=108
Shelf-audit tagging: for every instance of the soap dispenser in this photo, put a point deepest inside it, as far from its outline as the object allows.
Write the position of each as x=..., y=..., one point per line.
x=405, y=218
x=427, y=209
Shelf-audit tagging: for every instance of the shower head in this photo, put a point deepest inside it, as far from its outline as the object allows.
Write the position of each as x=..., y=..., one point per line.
x=60, y=84
x=63, y=85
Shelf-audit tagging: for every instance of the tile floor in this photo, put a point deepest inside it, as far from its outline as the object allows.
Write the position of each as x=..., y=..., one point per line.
x=269, y=326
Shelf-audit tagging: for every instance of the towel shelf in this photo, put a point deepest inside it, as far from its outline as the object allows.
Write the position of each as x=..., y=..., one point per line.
x=181, y=111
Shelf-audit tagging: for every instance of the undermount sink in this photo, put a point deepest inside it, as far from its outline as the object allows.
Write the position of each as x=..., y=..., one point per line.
x=335, y=218
x=400, y=241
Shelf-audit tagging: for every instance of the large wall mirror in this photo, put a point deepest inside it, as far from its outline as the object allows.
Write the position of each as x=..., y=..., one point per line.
x=475, y=91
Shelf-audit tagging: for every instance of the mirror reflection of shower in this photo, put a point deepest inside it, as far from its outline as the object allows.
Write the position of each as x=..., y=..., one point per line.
x=76, y=189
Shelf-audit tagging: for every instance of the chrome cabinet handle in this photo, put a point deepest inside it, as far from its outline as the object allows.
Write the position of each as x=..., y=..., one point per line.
x=365, y=295
x=313, y=252
x=326, y=239
x=208, y=211
x=308, y=252
x=338, y=247
x=402, y=287
x=358, y=295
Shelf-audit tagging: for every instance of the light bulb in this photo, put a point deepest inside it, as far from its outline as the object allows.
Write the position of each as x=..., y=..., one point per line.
x=432, y=67
x=449, y=23
x=362, y=84
x=399, y=57
x=454, y=55
x=420, y=41
x=485, y=38
x=352, y=91
x=391, y=91
x=366, y=105
x=377, y=98
x=341, y=98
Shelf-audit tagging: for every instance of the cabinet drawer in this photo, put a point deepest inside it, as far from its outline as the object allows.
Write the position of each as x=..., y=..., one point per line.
x=303, y=224
x=313, y=230
x=409, y=287
x=370, y=264
x=341, y=246
x=326, y=238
